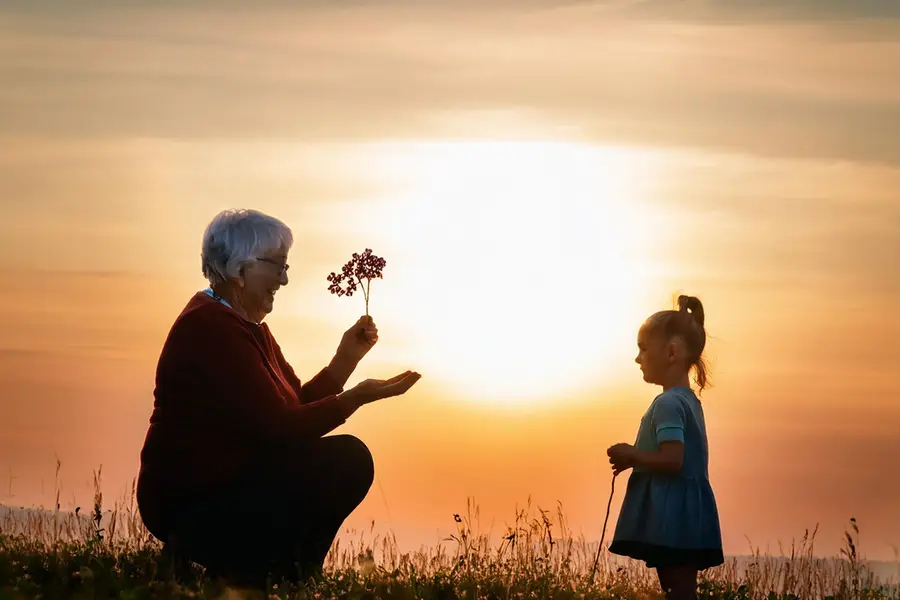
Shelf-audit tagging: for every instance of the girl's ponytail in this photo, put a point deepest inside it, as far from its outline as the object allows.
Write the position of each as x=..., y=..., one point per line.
x=692, y=305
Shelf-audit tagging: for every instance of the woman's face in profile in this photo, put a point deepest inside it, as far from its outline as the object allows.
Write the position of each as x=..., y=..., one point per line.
x=262, y=279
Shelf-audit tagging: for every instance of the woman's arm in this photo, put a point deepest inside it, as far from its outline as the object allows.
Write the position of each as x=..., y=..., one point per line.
x=355, y=344
x=332, y=379
x=341, y=368
x=327, y=382
x=247, y=395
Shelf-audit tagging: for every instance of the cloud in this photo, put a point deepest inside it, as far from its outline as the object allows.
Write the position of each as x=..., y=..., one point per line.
x=820, y=89
x=808, y=224
x=695, y=9
x=769, y=10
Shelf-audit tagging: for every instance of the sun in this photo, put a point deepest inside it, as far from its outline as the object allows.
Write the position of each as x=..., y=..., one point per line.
x=519, y=264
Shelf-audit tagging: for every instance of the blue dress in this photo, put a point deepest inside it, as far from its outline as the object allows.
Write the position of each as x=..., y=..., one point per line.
x=671, y=520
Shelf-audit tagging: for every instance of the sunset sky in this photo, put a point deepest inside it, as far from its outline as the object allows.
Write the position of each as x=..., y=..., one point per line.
x=540, y=177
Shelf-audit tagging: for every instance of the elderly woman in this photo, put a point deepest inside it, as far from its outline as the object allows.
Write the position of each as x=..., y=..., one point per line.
x=237, y=473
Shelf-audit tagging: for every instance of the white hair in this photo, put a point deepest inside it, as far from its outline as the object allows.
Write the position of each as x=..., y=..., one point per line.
x=236, y=237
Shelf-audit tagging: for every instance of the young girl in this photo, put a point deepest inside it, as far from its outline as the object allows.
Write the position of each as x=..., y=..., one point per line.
x=669, y=517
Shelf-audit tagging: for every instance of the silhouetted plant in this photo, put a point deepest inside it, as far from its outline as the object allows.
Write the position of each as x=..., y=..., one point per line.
x=365, y=266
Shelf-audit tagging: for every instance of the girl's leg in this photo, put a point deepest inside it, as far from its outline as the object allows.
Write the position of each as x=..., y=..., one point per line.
x=678, y=582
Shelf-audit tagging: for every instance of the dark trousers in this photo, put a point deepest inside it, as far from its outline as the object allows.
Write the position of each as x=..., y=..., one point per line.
x=281, y=519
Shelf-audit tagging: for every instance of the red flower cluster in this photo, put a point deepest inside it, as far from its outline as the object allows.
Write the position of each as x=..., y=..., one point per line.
x=362, y=266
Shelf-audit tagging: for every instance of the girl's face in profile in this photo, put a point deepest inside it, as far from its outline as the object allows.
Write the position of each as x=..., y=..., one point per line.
x=655, y=356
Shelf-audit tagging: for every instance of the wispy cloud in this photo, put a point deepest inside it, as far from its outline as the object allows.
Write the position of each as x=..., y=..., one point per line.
x=806, y=222
x=767, y=10
x=627, y=72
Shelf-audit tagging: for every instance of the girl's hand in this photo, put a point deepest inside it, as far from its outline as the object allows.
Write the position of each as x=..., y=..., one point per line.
x=621, y=457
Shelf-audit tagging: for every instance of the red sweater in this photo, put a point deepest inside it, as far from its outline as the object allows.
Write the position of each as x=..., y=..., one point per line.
x=224, y=394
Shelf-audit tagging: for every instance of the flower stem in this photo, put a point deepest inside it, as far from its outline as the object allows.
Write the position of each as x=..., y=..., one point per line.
x=365, y=291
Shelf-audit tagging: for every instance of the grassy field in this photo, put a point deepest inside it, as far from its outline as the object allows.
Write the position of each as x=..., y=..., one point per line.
x=107, y=553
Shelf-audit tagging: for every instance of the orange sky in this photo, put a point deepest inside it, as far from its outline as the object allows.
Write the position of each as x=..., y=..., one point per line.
x=539, y=179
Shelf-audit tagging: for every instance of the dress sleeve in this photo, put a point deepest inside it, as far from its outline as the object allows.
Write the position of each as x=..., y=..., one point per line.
x=320, y=386
x=668, y=419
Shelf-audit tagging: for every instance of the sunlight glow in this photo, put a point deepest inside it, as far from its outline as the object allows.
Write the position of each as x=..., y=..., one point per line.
x=522, y=262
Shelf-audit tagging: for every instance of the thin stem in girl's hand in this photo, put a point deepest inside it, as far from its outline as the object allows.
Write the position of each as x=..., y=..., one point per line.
x=612, y=492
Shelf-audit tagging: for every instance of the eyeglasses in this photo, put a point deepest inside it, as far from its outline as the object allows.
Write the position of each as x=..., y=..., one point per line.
x=282, y=267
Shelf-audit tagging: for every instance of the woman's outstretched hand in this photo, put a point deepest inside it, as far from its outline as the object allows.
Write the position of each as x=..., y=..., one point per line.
x=371, y=390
